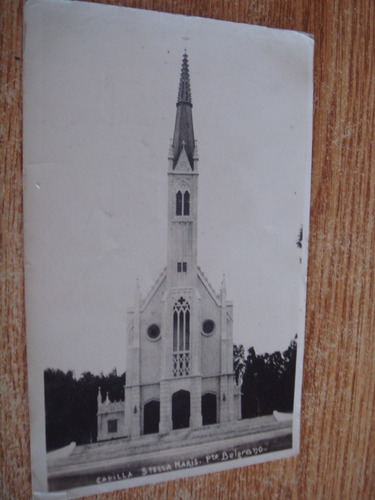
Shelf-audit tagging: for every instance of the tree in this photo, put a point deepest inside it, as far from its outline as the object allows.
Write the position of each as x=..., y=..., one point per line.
x=59, y=393
x=268, y=382
x=288, y=379
x=85, y=408
x=113, y=385
x=253, y=375
x=238, y=362
x=71, y=405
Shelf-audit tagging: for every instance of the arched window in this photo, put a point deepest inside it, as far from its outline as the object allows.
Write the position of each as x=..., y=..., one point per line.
x=151, y=417
x=186, y=203
x=181, y=267
x=182, y=203
x=181, y=338
x=209, y=403
x=179, y=203
x=181, y=409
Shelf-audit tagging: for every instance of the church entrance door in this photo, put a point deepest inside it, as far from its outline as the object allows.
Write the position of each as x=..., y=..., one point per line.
x=209, y=409
x=181, y=409
x=151, y=417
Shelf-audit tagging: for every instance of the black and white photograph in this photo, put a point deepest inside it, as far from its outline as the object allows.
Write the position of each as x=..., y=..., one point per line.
x=167, y=164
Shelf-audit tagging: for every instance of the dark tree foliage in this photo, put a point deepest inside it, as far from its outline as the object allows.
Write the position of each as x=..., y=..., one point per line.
x=238, y=361
x=113, y=385
x=58, y=395
x=84, y=409
x=268, y=381
x=71, y=405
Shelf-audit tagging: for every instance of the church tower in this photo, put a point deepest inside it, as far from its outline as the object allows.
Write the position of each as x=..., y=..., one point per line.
x=183, y=191
x=181, y=360
x=179, y=368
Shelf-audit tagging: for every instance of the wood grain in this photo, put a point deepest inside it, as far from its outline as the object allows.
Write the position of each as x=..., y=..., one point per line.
x=337, y=459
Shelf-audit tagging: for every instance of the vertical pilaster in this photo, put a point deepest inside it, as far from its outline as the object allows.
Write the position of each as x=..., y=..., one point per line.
x=165, y=424
x=166, y=339
x=224, y=399
x=132, y=424
x=237, y=403
x=196, y=403
x=223, y=321
x=232, y=413
x=128, y=411
x=195, y=336
x=136, y=412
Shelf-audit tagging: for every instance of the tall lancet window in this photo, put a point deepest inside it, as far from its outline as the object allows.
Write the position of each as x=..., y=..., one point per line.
x=181, y=338
x=186, y=203
x=182, y=203
x=179, y=203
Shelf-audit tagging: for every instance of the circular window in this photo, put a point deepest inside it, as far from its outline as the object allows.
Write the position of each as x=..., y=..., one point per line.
x=153, y=332
x=208, y=326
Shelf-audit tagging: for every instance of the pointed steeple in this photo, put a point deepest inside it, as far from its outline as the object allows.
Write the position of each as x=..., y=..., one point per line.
x=184, y=94
x=183, y=131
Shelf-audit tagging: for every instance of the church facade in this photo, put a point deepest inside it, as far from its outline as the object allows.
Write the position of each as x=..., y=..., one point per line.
x=179, y=337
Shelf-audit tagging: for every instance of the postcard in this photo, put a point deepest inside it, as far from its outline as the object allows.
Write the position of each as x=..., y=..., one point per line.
x=167, y=164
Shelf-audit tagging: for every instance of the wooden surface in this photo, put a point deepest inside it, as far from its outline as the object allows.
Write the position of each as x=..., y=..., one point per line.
x=337, y=459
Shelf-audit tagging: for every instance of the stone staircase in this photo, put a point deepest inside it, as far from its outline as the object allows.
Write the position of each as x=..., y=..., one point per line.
x=144, y=445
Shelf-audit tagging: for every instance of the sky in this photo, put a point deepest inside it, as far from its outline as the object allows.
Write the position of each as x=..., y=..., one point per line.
x=100, y=90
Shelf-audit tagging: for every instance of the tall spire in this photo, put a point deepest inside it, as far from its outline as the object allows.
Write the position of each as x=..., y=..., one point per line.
x=184, y=93
x=183, y=130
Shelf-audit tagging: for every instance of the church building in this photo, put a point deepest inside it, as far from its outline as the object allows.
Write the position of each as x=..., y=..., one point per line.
x=179, y=365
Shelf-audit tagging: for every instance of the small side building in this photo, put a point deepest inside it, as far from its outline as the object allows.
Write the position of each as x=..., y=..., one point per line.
x=110, y=418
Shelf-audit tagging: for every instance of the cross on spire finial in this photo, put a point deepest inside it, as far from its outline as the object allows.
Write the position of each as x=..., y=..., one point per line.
x=186, y=39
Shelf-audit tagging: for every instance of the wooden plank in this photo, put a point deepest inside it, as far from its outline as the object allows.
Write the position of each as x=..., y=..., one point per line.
x=337, y=459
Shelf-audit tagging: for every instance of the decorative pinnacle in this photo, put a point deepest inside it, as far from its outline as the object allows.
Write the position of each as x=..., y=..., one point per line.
x=195, y=154
x=137, y=293
x=170, y=152
x=223, y=281
x=223, y=291
x=184, y=93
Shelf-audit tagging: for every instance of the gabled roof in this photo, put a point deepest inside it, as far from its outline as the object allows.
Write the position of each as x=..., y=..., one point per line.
x=201, y=276
x=208, y=286
x=154, y=288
